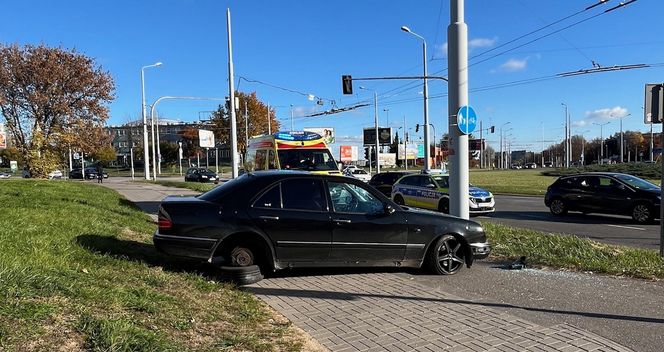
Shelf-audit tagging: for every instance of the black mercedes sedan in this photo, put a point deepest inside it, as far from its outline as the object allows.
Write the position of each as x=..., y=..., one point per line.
x=287, y=219
x=605, y=193
x=200, y=174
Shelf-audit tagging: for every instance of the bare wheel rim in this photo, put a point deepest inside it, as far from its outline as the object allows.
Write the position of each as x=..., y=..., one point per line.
x=557, y=206
x=242, y=257
x=641, y=213
x=448, y=256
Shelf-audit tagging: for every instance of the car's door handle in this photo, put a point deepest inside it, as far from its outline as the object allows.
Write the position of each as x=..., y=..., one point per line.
x=266, y=217
x=342, y=221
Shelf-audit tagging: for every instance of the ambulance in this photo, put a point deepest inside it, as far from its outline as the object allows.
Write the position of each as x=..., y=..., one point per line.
x=292, y=150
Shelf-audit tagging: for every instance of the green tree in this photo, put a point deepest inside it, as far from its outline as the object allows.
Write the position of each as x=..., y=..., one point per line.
x=52, y=99
x=105, y=154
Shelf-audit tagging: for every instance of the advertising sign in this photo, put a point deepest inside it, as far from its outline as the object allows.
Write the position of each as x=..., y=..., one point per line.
x=420, y=150
x=346, y=153
x=384, y=136
x=13, y=165
x=326, y=132
x=387, y=159
x=475, y=144
x=411, y=151
x=205, y=139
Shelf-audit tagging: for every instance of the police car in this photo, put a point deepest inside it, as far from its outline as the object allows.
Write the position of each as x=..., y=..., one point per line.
x=431, y=191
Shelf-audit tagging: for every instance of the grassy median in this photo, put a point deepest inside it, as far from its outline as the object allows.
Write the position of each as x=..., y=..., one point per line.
x=573, y=253
x=78, y=272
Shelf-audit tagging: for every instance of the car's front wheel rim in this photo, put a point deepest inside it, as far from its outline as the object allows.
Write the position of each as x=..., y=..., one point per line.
x=557, y=206
x=448, y=256
x=641, y=213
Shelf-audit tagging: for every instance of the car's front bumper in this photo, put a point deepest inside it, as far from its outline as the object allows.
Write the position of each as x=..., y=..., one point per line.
x=482, y=208
x=480, y=250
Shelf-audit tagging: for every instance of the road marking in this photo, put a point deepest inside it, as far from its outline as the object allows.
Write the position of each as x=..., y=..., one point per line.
x=628, y=227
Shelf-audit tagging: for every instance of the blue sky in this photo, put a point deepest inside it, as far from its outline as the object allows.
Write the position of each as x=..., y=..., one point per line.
x=307, y=46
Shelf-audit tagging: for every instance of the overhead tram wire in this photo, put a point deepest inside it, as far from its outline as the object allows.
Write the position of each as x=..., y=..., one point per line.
x=540, y=37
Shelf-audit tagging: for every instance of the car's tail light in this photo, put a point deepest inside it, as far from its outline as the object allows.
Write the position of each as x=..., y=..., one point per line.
x=163, y=220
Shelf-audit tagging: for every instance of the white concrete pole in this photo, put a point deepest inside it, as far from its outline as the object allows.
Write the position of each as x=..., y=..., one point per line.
x=457, y=34
x=231, y=89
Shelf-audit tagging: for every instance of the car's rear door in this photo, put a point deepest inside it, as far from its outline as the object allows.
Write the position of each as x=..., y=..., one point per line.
x=294, y=214
x=362, y=231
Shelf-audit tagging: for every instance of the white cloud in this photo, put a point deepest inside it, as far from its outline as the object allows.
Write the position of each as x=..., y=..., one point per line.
x=607, y=113
x=580, y=123
x=513, y=65
x=440, y=50
x=481, y=43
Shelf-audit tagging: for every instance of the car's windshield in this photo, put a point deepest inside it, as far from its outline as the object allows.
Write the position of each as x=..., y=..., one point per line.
x=307, y=159
x=636, y=182
x=359, y=171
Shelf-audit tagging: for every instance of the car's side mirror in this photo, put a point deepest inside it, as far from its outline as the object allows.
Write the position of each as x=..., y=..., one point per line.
x=431, y=185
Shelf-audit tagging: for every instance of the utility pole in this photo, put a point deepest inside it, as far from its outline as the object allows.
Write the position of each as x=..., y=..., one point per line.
x=405, y=143
x=231, y=94
x=269, y=126
x=246, y=127
x=481, y=148
x=601, y=140
x=457, y=34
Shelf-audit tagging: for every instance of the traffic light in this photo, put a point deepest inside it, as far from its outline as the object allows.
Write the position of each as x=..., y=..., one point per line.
x=492, y=129
x=366, y=153
x=417, y=127
x=347, y=84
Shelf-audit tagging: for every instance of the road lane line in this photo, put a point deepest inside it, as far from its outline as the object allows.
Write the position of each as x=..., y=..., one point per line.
x=628, y=227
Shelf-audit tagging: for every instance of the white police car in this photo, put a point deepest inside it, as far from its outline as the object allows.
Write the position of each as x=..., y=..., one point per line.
x=431, y=191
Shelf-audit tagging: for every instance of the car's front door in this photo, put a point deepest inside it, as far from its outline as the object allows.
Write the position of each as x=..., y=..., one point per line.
x=610, y=196
x=294, y=214
x=363, y=230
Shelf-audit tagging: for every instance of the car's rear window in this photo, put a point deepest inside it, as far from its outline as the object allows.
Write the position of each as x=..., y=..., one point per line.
x=223, y=189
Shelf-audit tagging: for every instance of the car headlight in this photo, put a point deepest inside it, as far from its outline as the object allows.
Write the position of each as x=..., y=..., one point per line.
x=472, y=200
x=203, y=176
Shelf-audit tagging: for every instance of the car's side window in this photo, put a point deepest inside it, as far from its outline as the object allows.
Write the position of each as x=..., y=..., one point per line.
x=303, y=194
x=270, y=199
x=350, y=198
x=408, y=181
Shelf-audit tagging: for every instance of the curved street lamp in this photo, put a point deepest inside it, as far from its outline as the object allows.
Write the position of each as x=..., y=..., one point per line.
x=146, y=155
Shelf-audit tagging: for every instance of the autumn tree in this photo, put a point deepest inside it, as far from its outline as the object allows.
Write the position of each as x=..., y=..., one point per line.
x=52, y=99
x=256, y=120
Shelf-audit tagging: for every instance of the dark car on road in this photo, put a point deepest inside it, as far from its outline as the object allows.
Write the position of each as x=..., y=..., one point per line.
x=90, y=173
x=284, y=219
x=200, y=174
x=384, y=181
x=606, y=193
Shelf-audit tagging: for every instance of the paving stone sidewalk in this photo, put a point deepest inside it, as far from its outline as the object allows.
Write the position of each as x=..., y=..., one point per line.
x=385, y=312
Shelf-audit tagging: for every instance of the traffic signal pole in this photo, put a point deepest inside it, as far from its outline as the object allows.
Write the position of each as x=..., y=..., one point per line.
x=457, y=34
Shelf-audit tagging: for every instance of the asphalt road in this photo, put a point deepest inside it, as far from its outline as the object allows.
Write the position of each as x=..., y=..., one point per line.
x=531, y=213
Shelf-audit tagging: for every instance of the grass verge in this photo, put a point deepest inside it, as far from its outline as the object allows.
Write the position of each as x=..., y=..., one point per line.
x=78, y=272
x=527, y=182
x=573, y=253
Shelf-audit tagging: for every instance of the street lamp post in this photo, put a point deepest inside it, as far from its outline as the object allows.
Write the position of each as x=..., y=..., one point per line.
x=146, y=155
x=583, y=147
x=501, y=143
x=427, y=152
x=601, y=140
x=376, y=128
x=621, y=138
x=568, y=152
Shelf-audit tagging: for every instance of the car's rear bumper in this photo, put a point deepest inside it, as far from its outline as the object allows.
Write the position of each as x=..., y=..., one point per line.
x=191, y=247
x=480, y=250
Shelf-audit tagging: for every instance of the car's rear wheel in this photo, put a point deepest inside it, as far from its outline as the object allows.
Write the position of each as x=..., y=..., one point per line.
x=447, y=256
x=642, y=213
x=242, y=256
x=558, y=207
x=399, y=200
x=444, y=206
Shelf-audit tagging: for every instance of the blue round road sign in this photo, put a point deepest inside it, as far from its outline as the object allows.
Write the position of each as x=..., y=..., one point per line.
x=466, y=119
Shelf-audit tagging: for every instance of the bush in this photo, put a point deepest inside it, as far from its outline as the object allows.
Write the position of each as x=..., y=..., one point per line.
x=643, y=170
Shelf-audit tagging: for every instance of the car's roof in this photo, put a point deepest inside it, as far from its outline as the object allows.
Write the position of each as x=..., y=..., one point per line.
x=598, y=173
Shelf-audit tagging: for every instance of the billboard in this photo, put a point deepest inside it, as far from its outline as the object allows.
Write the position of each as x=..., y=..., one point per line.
x=205, y=139
x=326, y=132
x=475, y=144
x=411, y=151
x=346, y=153
x=387, y=159
x=384, y=136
